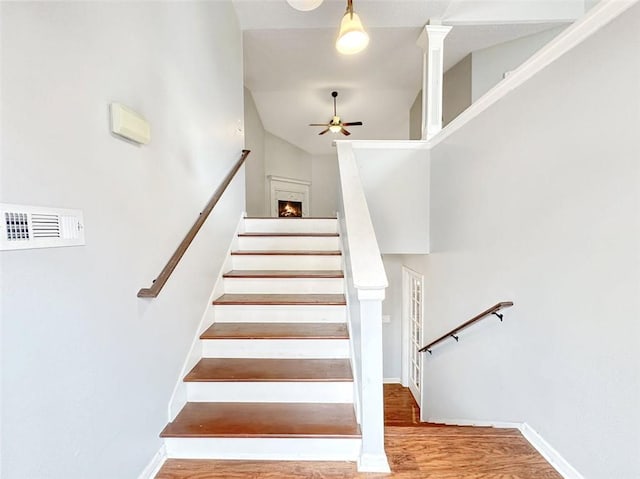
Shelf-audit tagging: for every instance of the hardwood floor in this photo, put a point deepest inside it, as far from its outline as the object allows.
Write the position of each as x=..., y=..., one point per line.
x=415, y=451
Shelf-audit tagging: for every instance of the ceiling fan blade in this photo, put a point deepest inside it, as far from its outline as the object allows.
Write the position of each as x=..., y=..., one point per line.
x=353, y=123
x=323, y=131
x=344, y=132
x=318, y=124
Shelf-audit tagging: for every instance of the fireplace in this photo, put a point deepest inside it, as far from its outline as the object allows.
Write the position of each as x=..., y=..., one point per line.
x=289, y=197
x=289, y=209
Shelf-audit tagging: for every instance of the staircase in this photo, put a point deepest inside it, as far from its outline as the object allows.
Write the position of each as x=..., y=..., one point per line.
x=274, y=381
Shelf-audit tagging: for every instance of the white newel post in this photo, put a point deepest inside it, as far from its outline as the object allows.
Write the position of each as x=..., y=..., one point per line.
x=366, y=289
x=373, y=457
x=432, y=42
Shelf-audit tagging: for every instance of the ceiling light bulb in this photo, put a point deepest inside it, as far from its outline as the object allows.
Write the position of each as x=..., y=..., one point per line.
x=335, y=128
x=304, y=5
x=352, y=37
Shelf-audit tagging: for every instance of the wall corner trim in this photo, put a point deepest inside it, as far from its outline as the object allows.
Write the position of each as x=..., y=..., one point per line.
x=559, y=463
x=151, y=469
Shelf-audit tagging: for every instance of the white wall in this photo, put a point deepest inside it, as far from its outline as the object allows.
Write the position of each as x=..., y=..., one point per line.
x=490, y=64
x=415, y=118
x=392, y=331
x=456, y=89
x=88, y=368
x=537, y=200
x=324, y=185
x=286, y=160
x=255, y=163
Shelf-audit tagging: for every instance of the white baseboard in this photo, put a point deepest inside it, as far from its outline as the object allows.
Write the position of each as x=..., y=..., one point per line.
x=391, y=381
x=154, y=465
x=559, y=463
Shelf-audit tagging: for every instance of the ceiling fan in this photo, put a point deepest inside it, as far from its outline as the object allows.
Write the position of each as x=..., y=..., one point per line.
x=336, y=124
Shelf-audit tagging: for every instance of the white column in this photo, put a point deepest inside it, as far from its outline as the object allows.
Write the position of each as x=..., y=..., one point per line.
x=372, y=456
x=432, y=42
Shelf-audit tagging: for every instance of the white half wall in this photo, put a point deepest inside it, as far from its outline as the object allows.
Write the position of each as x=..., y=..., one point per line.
x=393, y=177
x=537, y=200
x=87, y=367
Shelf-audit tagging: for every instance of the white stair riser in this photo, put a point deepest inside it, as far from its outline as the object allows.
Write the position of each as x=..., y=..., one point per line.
x=284, y=225
x=286, y=262
x=276, y=348
x=284, y=285
x=321, y=243
x=275, y=449
x=292, y=392
x=280, y=314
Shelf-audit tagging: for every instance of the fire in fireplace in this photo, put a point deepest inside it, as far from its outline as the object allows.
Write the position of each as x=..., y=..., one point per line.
x=288, y=209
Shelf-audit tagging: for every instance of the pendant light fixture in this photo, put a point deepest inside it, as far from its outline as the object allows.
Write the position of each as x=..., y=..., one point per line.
x=304, y=5
x=352, y=37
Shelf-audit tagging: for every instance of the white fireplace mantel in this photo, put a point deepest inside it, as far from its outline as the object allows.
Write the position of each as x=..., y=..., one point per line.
x=290, y=189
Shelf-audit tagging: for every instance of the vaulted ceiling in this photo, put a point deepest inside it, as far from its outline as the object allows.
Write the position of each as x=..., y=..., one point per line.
x=291, y=65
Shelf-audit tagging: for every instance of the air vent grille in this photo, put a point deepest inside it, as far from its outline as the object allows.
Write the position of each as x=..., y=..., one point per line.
x=16, y=226
x=45, y=226
x=24, y=227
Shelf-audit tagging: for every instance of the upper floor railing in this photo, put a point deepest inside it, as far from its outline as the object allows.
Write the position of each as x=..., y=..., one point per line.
x=164, y=275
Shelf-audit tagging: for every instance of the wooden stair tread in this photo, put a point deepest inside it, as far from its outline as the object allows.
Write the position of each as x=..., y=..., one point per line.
x=288, y=252
x=284, y=420
x=276, y=331
x=288, y=234
x=281, y=299
x=267, y=370
x=272, y=273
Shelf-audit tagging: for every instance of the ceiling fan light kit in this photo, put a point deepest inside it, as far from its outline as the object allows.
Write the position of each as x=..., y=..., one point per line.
x=335, y=128
x=336, y=125
x=352, y=37
x=304, y=5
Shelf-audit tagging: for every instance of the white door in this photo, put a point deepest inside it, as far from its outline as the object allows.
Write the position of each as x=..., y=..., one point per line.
x=412, y=292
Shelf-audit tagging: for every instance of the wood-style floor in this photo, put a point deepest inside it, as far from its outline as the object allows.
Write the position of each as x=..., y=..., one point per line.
x=414, y=450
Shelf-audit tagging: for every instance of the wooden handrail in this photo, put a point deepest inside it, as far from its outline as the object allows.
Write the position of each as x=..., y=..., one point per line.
x=162, y=278
x=452, y=334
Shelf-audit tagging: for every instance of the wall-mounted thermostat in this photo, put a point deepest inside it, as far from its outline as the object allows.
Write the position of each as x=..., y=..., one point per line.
x=26, y=227
x=131, y=125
